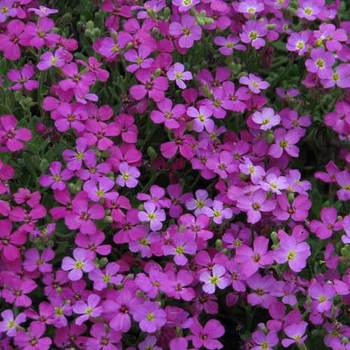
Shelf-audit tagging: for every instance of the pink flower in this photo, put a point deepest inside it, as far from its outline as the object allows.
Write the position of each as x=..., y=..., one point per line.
x=11, y=40
x=253, y=259
x=185, y=5
x=10, y=136
x=201, y=118
x=139, y=58
x=150, y=317
x=22, y=78
x=295, y=333
x=10, y=241
x=217, y=212
x=216, y=278
x=253, y=33
x=152, y=215
x=255, y=204
x=285, y=141
x=320, y=63
x=177, y=72
x=81, y=263
x=57, y=178
x=267, y=118
x=298, y=210
x=291, y=251
x=33, y=339
x=168, y=114
x=52, y=59
x=207, y=336
x=88, y=309
x=153, y=87
x=254, y=83
x=329, y=222
x=187, y=31
x=128, y=175
x=10, y=323
x=36, y=261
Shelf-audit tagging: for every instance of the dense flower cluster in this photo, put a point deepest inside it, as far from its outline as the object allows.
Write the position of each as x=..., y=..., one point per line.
x=180, y=198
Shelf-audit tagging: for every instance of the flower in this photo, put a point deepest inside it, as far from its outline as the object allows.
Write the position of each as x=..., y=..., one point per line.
x=87, y=309
x=207, y=336
x=177, y=72
x=81, y=263
x=267, y=118
x=291, y=251
x=10, y=323
x=150, y=317
x=152, y=215
x=216, y=278
x=187, y=31
x=128, y=175
x=254, y=83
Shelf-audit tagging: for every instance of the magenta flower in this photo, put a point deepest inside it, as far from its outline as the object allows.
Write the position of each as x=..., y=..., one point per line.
x=10, y=241
x=181, y=245
x=229, y=44
x=7, y=9
x=267, y=118
x=253, y=259
x=274, y=183
x=153, y=87
x=11, y=137
x=36, y=261
x=177, y=72
x=22, y=78
x=57, y=178
x=254, y=83
x=43, y=11
x=102, y=279
x=253, y=33
x=81, y=263
x=103, y=338
x=297, y=210
x=150, y=317
x=308, y=9
x=139, y=58
x=298, y=42
x=187, y=31
x=153, y=215
x=291, y=251
x=295, y=333
x=265, y=341
x=329, y=222
x=70, y=116
x=33, y=339
x=16, y=290
x=320, y=63
x=207, y=336
x=185, y=5
x=250, y=7
x=10, y=323
x=88, y=309
x=11, y=40
x=198, y=202
x=285, y=141
x=168, y=114
x=343, y=180
x=255, y=204
x=201, y=118
x=52, y=59
x=217, y=212
x=216, y=278
x=128, y=175
x=322, y=296
x=100, y=189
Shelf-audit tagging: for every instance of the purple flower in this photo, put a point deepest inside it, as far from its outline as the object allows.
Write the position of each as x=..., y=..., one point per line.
x=229, y=44
x=139, y=58
x=254, y=83
x=216, y=278
x=153, y=215
x=177, y=72
x=267, y=118
x=185, y=5
x=298, y=42
x=207, y=336
x=320, y=63
x=128, y=175
x=322, y=296
x=52, y=59
x=187, y=31
x=181, y=245
x=253, y=33
x=33, y=339
x=217, y=212
x=295, y=333
x=22, y=78
x=10, y=323
x=291, y=251
x=81, y=263
x=57, y=178
x=285, y=141
x=253, y=259
x=168, y=114
x=150, y=317
x=329, y=222
x=88, y=309
x=201, y=118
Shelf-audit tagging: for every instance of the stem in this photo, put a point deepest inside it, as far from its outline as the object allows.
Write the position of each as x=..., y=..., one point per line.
x=302, y=347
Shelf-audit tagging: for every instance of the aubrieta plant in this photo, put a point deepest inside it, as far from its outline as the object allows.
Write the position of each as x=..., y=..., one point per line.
x=174, y=174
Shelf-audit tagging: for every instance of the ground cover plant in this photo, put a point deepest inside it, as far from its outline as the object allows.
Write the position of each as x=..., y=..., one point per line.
x=174, y=174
